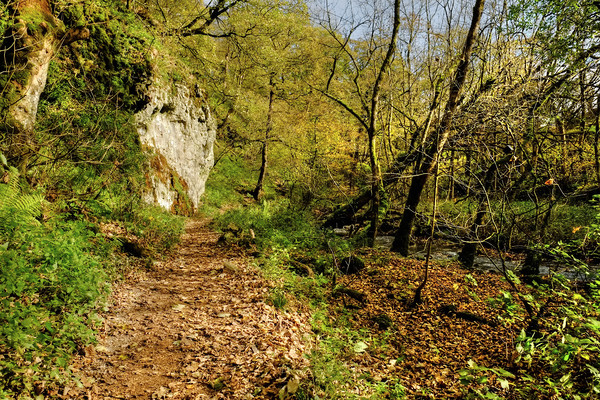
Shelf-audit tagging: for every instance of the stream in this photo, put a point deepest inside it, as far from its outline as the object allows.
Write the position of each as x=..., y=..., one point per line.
x=447, y=251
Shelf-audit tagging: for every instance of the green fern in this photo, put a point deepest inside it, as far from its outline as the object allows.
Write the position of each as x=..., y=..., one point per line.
x=16, y=206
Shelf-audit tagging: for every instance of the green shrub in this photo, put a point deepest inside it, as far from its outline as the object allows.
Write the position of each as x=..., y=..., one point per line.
x=277, y=225
x=278, y=299
x=16, y=206
x=51, y=283
x=225, y=185
x=157, y=228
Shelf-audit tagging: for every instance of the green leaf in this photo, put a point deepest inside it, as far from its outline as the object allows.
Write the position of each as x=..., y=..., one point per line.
x=527, y=378
x=465, y=376
x=520, y=348
x=594, y=371
x=492, y=396
x=593, y=324
x=360, y=347
x=504, y=373
x=513, y=277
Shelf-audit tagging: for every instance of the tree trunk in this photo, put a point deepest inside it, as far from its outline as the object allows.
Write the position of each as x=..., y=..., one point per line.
x=377, y=192
x=28, y=47
x=26, y=56
x=450, y=194
x=582, y=121
x=563, y=136
x=417, y=298
x=375, y=186
x=430, y=159
x=258, y=190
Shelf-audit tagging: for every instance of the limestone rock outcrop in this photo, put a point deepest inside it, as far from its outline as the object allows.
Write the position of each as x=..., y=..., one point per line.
x=177, y=127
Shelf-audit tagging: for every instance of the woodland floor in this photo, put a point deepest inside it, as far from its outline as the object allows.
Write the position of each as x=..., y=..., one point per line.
x=199, y=326
x=194, y=327
x=431, y=343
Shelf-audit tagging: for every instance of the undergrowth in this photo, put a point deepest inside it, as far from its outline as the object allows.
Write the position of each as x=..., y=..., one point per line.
x=56, y=272
x=51, y=285
x=51, y=282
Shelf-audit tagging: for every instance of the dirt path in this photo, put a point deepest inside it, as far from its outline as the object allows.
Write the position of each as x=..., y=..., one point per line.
x=195, y=327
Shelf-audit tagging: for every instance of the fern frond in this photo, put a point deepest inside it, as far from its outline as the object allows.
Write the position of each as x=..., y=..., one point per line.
x=29, y=205
x=17, y=207
x=9, y=189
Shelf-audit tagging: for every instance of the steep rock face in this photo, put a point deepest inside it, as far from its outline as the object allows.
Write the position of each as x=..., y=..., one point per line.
x=177, y=126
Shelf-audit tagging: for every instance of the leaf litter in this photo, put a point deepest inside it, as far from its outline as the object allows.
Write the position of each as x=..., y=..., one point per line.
x=427, y=346
x=195, y=326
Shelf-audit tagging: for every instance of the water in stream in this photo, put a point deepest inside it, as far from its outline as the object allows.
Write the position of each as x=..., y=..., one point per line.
x=446, y=251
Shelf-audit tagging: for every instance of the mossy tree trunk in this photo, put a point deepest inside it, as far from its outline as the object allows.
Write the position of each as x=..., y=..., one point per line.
x=28, y=47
